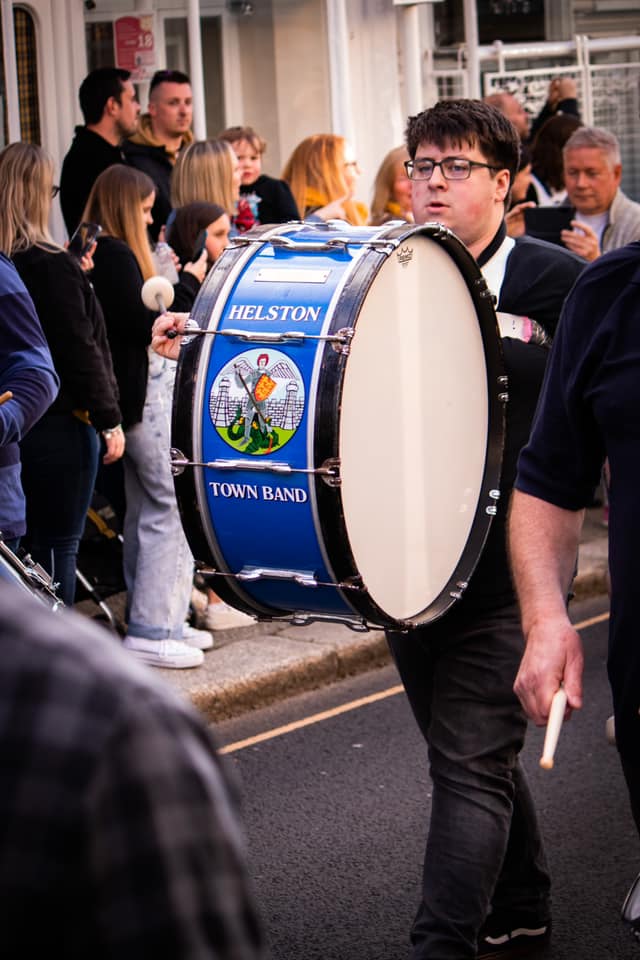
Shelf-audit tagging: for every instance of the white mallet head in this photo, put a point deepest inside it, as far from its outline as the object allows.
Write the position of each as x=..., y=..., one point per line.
x=157, y=294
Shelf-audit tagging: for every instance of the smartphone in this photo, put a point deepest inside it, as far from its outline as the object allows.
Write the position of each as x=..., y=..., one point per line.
x=545, y=223
x=198, y=246
x=83, y=239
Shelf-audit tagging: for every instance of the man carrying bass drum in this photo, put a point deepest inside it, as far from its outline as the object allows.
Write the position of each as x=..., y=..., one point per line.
x=485, y=880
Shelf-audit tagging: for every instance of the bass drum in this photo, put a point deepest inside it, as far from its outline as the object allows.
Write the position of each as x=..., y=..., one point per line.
x=28, y=576
x=338, y=423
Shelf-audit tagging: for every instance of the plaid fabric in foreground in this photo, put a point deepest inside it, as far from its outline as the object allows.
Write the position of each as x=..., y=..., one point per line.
x=117, y=837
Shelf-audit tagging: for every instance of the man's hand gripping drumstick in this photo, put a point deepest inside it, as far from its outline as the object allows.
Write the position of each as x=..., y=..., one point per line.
x=166, y=334
x=543, y=542
x=554, y=725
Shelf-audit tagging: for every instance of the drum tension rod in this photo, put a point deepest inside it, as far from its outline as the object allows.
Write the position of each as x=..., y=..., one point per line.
x=303, y=578
x=305, y=619
x=329, y=471
x=342, y=338
x=340, y=244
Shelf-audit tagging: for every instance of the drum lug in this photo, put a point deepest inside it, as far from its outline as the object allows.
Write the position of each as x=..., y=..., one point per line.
x=330, y=472
x=178, y=461
x=301, y=619
x=461, y=586
x=342, y=343
x=503, y=383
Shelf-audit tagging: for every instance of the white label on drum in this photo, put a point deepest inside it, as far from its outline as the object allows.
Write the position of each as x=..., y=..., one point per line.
x=273, y=275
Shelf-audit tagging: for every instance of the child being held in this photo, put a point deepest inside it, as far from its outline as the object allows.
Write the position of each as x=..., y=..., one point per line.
x=269, y=199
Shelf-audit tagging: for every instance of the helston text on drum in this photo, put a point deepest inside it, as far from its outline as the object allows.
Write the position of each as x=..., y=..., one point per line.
x=285, y=312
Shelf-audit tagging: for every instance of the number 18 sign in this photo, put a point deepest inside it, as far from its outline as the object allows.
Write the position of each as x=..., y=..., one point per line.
x=135, y=46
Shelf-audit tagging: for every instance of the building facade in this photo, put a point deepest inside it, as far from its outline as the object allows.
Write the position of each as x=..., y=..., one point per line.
x=287, y=67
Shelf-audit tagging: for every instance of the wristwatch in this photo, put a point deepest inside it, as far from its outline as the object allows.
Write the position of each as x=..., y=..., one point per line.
x=110, y=432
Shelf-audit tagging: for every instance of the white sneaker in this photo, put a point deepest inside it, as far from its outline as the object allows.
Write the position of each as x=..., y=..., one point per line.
x=201, y=639
x=220, y=616
x=173, y=654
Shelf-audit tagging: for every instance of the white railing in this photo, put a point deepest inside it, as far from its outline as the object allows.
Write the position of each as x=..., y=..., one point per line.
x=607, y=75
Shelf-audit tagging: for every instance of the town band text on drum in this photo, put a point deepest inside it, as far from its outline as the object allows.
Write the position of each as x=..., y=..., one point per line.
x=254, y=491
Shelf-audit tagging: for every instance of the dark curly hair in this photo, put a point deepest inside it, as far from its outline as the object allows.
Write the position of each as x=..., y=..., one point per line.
x=470, y=123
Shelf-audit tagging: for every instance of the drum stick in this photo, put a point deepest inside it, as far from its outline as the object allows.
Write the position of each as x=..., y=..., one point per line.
x=7, y=395
x=554, y=724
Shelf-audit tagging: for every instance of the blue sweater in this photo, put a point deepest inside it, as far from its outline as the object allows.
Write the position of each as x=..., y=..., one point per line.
x=26, y=369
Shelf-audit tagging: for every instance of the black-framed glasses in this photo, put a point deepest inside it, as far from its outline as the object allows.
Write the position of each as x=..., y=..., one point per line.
x=451, y=168
x=55, y=190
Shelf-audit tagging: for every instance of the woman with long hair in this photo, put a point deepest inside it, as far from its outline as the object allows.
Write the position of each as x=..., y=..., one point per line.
x=322, y=173
x=190, y=222
x=392, y=189
x=158, y=566
x=184, y=233
x=207, y=171
x=547, y=164
x=60, y=453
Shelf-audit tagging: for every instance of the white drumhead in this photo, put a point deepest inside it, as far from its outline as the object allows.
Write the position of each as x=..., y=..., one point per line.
x=413, y=427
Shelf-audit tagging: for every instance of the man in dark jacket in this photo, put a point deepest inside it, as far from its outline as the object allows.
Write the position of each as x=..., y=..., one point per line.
x=162, y=133
x=485, y=879
x=110, y=109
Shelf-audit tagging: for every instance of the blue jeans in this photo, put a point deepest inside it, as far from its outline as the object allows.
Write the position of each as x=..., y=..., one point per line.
x=59, y=462
x=158, y=565
x=484, y=848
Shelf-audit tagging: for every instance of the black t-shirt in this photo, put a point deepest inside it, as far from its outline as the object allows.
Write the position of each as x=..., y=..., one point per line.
x=589, y=409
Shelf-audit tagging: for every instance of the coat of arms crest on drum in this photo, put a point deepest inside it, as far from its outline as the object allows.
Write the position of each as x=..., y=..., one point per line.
x=257, y=401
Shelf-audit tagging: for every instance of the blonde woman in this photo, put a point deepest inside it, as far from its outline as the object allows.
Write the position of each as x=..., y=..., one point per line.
x=322, y=173
x=207, y=171
x=158, y=565
x=392, y=190
x=60, y=453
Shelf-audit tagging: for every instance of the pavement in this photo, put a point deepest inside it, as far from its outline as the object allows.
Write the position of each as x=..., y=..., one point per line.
x=253, y=666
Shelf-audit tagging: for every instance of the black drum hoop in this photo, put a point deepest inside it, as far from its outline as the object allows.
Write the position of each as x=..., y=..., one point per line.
x=331, y=514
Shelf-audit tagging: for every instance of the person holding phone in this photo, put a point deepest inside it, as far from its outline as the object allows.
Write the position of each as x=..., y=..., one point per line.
x=60, y=453
x=605, y=217
x=83, y=239
x=198, y=227
x=158, y=565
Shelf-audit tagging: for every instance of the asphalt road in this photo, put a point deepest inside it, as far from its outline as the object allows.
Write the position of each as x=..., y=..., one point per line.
x=336, y=813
